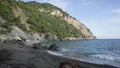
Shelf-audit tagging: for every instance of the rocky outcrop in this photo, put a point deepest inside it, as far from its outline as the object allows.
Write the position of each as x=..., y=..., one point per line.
x=88, y=34
x=56, y=12
x=18, y=34
x=16, y=31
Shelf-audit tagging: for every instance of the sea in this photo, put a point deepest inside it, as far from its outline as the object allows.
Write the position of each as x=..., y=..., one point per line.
x=98, y=51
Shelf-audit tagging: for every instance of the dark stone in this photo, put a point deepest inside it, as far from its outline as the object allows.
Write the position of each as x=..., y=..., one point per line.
x=68, y=65
x=19, y=42
x=39, y=46
x=54, y=47
x=60, y=39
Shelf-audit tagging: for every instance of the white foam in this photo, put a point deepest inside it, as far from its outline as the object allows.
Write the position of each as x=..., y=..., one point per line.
x=54, y=53
x=63, y=55
x=63, y=49
x=107, y=57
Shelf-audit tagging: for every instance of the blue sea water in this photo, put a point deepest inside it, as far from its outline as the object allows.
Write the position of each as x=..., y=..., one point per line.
x=100, y=51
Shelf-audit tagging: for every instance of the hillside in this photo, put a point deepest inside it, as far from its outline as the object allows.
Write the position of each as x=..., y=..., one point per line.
x=38, y=21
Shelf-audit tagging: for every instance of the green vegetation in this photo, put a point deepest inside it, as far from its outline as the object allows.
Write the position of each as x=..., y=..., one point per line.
x=6, y=13
x=45, y=23
x=41, y=22
x=2, y=31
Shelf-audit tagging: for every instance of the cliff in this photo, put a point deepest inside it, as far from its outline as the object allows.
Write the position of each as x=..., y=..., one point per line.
x=38, y=21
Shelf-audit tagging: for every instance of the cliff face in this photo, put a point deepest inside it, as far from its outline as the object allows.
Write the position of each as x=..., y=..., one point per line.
x=77, y=24
x=37, y=21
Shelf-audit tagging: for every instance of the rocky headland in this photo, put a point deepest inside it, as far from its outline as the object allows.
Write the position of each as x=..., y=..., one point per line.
x=39, y=21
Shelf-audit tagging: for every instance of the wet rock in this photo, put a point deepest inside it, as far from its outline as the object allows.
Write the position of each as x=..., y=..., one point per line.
x=39, y=46
x=54, y=47
x=68, y=65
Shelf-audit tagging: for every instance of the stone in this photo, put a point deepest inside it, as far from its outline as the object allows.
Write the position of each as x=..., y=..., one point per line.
x=39, y=46
x=54, y=47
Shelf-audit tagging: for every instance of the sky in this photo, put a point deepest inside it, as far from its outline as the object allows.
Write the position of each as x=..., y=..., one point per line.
x=102, y=17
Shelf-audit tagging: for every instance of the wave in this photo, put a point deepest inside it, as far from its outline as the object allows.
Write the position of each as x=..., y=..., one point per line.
x=54, y=53
x=107, y=57
x=67, y=55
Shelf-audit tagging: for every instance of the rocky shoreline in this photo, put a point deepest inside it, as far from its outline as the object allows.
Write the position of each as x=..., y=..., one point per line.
x=17, y=55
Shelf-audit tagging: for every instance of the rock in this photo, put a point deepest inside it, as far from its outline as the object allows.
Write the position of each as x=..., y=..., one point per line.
x=56, y=13
x=78, y=25
x=20, y=42
x=2, y=37
x=54, y=47
x=68, y=65
x=16, y=31
x=39, y=46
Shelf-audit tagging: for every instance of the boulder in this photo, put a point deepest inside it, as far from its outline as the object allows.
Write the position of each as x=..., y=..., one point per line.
x=54, y=47
x=39, y=46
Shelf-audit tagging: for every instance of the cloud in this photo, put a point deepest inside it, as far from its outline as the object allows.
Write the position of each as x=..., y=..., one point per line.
x=112, y=16
x=114, y=20
x=117, y=11
x=84, y=0
x=116, y=17
x=85, y=3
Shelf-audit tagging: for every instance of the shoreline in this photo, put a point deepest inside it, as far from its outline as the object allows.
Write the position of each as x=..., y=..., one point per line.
x=14, y=55
x=88, y=59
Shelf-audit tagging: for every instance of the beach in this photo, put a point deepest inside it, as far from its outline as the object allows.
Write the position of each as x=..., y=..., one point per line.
x=21, y=56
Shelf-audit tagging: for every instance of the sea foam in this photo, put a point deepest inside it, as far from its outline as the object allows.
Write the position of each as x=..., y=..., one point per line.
x=54, y=53
x=107, y=57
